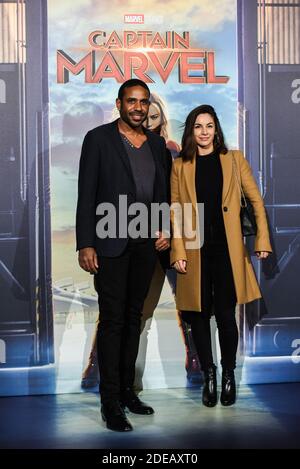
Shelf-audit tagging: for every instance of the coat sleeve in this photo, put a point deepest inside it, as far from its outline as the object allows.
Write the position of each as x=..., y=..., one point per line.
x=168, y=172
x=262, y=239
x=89, y=167
x=167, y=165
x=178, y=251
x=164, y=256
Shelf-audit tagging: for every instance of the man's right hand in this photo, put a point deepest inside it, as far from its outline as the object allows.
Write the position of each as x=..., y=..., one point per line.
x=88, y=260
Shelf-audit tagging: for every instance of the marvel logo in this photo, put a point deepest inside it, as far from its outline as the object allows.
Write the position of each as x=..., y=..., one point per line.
x=134, y=19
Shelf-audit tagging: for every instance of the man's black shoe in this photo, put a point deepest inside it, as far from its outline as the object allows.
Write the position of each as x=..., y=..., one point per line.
x=130, y=400
x=115, y=418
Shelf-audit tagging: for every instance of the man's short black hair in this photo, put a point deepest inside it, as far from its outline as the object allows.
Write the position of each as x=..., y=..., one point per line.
x=130, y=84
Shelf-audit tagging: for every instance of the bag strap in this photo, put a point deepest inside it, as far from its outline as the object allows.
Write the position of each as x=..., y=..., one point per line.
x=243, y=197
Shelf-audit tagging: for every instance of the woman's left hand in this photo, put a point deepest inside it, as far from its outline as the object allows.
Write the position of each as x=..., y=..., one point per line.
x=262, y=254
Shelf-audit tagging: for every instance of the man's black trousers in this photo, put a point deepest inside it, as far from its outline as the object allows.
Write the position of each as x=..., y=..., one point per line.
x=122, y=284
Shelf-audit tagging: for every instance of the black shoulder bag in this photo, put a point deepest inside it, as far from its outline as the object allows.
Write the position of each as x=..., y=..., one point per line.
x=247, y=216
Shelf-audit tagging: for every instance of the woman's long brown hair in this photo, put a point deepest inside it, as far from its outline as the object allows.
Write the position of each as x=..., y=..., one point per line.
x=189, y=145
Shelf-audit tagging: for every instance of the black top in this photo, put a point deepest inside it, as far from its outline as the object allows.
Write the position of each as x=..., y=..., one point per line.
x=143, y=170
x=209, y=186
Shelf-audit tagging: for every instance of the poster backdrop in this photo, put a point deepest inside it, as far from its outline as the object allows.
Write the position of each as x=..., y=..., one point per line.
x=186, y=52
x=61, y=64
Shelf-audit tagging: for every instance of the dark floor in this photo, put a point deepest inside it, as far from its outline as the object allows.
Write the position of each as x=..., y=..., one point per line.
x=265, y=416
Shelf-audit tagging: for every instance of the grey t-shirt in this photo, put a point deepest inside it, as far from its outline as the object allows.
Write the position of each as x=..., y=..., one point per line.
x=143, y=169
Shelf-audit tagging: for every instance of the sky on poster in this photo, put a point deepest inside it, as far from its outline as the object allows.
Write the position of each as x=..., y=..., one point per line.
x=76, y=107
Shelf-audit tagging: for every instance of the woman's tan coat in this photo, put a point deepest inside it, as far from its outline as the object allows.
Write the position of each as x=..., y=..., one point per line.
x=188, y=291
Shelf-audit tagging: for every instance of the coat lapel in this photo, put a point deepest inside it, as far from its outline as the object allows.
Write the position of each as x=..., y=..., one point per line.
x=226, y=163
x=117, y=142
x=160, y=182
x=154, y=148
x=189, y=171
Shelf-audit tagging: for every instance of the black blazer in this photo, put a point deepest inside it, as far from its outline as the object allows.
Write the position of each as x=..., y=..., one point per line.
x=104, y=174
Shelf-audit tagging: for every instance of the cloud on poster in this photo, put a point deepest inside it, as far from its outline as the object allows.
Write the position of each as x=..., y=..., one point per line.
x=206, y=15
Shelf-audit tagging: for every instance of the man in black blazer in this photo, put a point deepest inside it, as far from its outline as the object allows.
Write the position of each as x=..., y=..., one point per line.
x=121, y=163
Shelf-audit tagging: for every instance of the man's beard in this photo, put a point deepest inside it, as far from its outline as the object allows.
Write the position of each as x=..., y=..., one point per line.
x=124, y=116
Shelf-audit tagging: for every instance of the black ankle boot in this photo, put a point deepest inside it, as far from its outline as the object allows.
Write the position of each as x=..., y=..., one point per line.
x=228, y=394
x=209, y=394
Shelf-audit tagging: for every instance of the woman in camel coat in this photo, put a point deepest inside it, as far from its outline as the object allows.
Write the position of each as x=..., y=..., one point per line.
x=215, y=274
